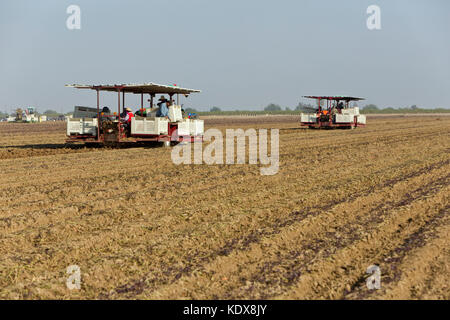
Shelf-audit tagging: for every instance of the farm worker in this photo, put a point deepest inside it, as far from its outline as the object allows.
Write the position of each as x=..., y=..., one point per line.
x=124, y=116
x=106, y=111
x=163, y=110
x=130, y=115
x=127, y=115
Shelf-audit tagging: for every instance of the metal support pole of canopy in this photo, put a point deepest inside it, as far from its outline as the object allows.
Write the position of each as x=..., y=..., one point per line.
x=98, y=114
x=118, y=102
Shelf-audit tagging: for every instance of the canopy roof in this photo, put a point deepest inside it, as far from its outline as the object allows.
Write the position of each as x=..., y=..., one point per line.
x=336, y=98
x=149, y=88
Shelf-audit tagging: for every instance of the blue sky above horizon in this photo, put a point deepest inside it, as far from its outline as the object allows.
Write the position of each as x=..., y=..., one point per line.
x=241, y=54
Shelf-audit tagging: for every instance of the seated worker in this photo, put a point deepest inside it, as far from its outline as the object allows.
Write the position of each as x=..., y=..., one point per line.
x=340, y=106
x=125, y=118
x=163, y=107
x=163, y=110
x=106, y=111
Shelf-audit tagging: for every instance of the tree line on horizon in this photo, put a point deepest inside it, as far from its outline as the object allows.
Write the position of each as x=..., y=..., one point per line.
x=310, y=108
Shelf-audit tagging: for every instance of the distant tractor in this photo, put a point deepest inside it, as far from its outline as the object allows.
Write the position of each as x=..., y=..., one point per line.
x=27, y=115
x=333, y=112
x=147, y=124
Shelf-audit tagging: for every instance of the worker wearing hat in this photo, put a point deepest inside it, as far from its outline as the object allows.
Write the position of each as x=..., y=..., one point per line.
x=163, y=110
x=126, y=117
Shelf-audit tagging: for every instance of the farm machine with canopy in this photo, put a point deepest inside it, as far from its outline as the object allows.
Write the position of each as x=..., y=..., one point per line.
x=102, y=126
x=333, y=112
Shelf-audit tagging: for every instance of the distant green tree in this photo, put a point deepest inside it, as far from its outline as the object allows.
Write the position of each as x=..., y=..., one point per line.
x=306, y=108
x=190, y=110
x=272, y=107
x=414, y=107
x=51, y=113
x=370, y=107
x=215, y=109
x=389, y=110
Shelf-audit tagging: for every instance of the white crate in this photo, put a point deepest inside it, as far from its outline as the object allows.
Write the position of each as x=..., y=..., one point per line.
x=184, y=127
x=196, y=127
x=82, y=126
x=362, y=119
x=175, y=114
x=351, y=111
x=74, y=126
x=89, y=126
x=308, y=118
x=149, y=125
x=344, y=118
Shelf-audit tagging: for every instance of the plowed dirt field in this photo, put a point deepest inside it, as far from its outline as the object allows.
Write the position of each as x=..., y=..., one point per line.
x=139, y=226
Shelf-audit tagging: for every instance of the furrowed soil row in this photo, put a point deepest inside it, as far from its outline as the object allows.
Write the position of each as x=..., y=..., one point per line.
x=275, y=227
x=345, y=145
x=424, y=270
x=140, y=227
x=335, y=276
x=87, y=181
x=391, y=262
x=357, y=231
x=315, y=246
x=77, y=200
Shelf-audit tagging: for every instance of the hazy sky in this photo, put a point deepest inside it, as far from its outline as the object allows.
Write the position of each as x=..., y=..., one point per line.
x=240, y=53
